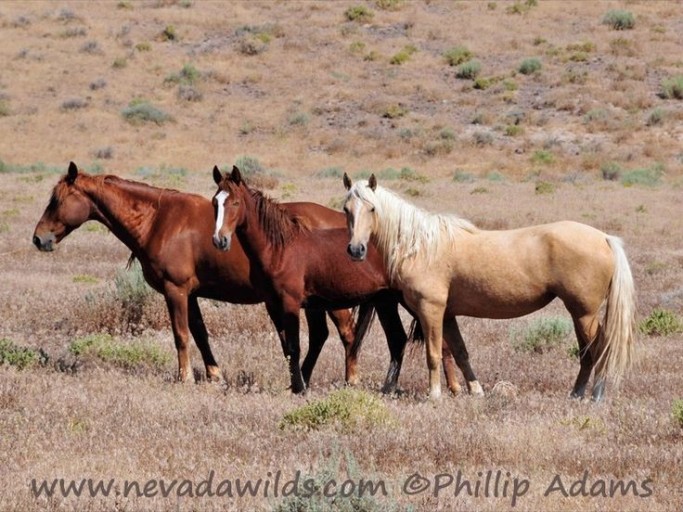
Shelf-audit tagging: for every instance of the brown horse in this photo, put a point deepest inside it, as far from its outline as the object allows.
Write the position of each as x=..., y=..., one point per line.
x=169, y=232
x=298, y=268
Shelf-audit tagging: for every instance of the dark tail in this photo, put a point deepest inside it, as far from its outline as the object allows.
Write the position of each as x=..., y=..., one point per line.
x=366, y=314
x=416, y=335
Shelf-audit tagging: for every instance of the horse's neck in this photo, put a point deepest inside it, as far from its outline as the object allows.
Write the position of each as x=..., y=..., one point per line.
x=254, y=238
x=126, y=210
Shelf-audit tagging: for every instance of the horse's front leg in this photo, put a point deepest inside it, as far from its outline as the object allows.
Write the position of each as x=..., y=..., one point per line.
x=343, y=321
x=176, y=302
x=431, y=313
x=291, y=332
x=317, y=335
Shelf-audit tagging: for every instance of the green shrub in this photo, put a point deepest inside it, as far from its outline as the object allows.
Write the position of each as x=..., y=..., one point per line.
x=544, y=187
x=20, y=357
x=530, y=66
x=542, y=156
x=648, y=176
x=619, y=19
x=142, y=111
x=457, y=55
x=468, y=70
x=661, y=322
x=389, y=5
x=132, y=292
x=330, y=172
x=677, y=411
x=403, y=56
x=672, y=88
x=541, y=334
x=169, y=34
x=513, y=130
x=359, y=13
x=345, y=409
x=186, y=76
x=124, y=355
x=656, y=117
x=461, y=176
x=394, y=111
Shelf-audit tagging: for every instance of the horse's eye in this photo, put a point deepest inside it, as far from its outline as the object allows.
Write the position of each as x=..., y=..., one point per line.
x=372, y=210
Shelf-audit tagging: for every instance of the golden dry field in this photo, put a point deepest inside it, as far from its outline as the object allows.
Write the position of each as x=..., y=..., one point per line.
x=508, y=113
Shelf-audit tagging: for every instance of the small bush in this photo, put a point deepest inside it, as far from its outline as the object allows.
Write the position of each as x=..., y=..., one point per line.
x=100, y=83
x=168, y=34
x=513, y=130
x=345, y=409
x=482, y=138
x=389, y=5
x=74, y=104
x=541, y=334
x=142, y=111
x=20, y=357
x=468, y=70
x=461, y=176
x=530, y=66
x=457, y=55
x=104, y=153
x=542, y=157
x=661, y=322
x=359, y=13
x=611, y=171
x=189, y=93
x=649, y=176
x=91, y=47
x=330, y=172
x=143, y=47
x=656, y=117
x=189, y=75
x=4, y=109
x=672, y=88
x=257, y=175
x=403, y=56
x=544, y=187
x=394, y=111
x=677, y=412
x=123, y=355
x=119, y=63
x=619, y=19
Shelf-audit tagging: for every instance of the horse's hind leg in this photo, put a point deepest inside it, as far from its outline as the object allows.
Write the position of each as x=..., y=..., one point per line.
x=343, y=321
x=451, y=333
x=317, y=335
x=201, y=338
x=390, y=320
x=587, y=331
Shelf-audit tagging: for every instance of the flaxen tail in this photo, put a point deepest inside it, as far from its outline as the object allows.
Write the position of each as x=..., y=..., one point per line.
x=618, y=327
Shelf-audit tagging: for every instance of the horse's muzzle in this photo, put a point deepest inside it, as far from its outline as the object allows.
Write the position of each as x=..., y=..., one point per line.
x=357, y=252
x=221, y=242
x=45, y=243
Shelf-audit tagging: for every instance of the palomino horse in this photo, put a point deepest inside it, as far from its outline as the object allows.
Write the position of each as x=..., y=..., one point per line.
x=446, y=267
x=298, y=268
x=169, y=232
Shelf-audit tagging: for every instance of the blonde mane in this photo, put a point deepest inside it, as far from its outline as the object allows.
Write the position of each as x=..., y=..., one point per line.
x=405, y=231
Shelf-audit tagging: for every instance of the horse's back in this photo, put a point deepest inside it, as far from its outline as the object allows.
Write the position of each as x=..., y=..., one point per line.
x=513, y=272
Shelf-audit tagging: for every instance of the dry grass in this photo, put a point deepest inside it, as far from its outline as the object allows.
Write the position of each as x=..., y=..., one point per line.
x=308, y=107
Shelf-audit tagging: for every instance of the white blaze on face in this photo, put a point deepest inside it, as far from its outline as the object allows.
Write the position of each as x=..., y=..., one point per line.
x=221, y=197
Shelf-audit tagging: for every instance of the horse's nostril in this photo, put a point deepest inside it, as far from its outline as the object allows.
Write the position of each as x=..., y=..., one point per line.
x=349, y=250
x=36, y=241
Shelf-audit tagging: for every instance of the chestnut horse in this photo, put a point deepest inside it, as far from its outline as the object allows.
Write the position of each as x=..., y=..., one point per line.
x=445, y=267
x=169, y=232
x=297, y=268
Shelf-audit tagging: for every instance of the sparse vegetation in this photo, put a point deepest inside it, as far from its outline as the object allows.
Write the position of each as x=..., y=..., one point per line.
x=542, y=334
x=530, y=66
x=123, y=355
x=142, y=111
x=648, y=176
x=672, y=88
x=468, y=70
x=403, y=56
x=619, y=19
x=359, y=13
x=457, y=55
x=20, y=357
x=661, y=322
x=344, y=409
x=677, y=411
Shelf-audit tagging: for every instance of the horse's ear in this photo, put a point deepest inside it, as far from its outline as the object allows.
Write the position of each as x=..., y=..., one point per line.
x=217, y=176
x=347, y=182
x=372, y=182
x=72, y=173
x=236, y=175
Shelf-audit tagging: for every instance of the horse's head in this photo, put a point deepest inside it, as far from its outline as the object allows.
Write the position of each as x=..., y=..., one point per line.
x=69, y=207
x=228, y=205
x=359, y=208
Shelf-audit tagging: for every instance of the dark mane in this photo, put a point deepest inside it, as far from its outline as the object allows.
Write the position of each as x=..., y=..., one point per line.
x=278, y=225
